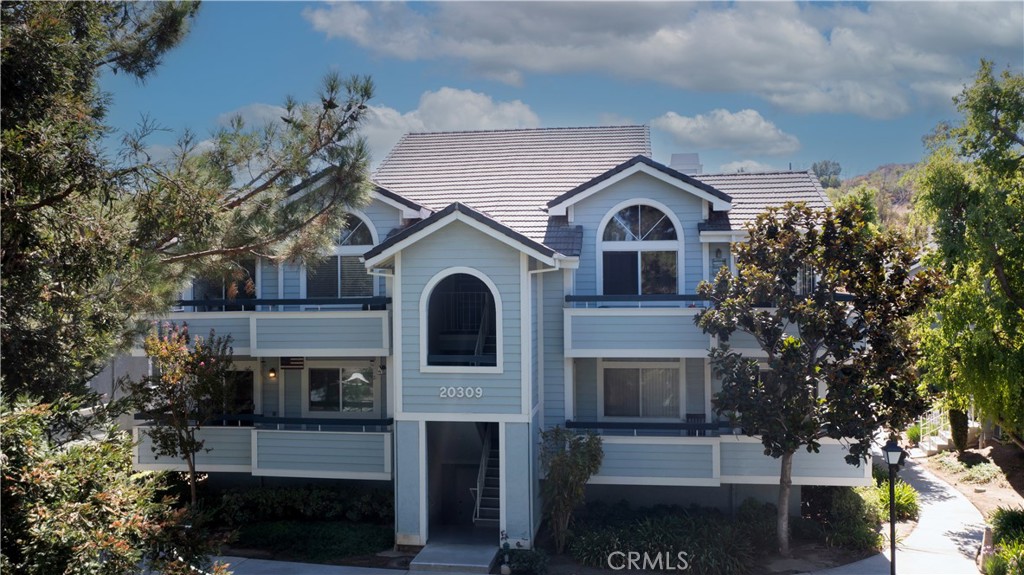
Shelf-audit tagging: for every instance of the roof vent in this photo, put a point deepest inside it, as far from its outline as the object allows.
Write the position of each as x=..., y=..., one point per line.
x=688, y=164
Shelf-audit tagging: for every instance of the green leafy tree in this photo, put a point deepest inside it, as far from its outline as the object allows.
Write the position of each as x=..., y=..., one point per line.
x=91, y=242
x=76, y=507
x=971, y=192
x=866, y=199
x=190, y=386
x=839, y=357
x=569, y=460
x=827, y=172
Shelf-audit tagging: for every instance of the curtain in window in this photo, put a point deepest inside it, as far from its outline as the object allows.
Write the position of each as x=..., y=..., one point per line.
x=621, y=392
x=322, y=278
x=660, y=392
x=355, y=282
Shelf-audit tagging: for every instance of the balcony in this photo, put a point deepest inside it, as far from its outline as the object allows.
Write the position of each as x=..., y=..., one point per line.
x=284, y=447
x=696, y=454
x=339, y=327
x=634, y=326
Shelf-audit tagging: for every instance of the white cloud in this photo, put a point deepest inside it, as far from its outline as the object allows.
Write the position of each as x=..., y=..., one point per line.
x=254, y=115
x=745, y=166
x=446, y=109
x=742, y=131
x=877, y=60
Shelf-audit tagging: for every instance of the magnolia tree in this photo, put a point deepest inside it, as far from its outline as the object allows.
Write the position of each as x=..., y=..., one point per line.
x=189, y=388
x=839, y=360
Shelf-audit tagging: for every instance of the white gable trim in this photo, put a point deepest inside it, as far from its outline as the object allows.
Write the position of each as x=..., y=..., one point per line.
x=730, y=236
x=457, y=216
x=406, y=211
x=717, y=203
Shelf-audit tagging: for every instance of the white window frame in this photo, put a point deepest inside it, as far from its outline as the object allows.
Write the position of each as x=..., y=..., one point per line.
x=499, y=330
x=679, y=365
x=678, y=245
x=339, y=364
x=338, y=251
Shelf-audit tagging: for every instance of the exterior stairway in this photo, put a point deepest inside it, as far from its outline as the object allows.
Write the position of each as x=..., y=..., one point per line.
x=488, y=503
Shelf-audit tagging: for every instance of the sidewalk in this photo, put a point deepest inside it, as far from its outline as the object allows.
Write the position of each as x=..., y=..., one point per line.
x=243, y=566
x=945, y=541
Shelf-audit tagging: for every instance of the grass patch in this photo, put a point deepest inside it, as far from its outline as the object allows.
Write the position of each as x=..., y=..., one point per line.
x=315, y=541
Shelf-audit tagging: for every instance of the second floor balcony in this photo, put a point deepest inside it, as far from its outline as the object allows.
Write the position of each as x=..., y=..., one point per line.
x=634, y=326
x=335, y=327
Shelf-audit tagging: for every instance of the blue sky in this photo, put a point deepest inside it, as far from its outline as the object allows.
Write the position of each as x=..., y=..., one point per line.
x=756, y=85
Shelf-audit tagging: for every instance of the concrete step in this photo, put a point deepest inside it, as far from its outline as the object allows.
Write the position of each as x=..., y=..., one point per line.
x=454, y=558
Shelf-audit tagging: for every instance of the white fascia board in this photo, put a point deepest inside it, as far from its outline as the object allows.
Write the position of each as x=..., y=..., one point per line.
x=407, y=212
x=469, y=221
x=730, y=236
x=716, y=202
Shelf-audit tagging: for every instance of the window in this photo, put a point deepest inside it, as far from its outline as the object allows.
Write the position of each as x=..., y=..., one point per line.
x=462, y=322
x=340, y=390
x=640, y=252
x=641, y=389
x=239, y=282
x=240, y=392
x=342, y=274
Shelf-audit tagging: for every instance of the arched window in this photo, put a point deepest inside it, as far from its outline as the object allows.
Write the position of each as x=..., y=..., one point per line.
x=462, y=324
x=342, y=274
x=640, y=252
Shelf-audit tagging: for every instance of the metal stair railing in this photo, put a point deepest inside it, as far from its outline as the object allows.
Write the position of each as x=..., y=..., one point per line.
x=478, y=491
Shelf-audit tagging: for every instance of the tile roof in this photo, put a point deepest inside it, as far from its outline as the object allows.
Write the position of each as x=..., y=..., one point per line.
x=509, y=175
x=753, y=192
x=564, y=237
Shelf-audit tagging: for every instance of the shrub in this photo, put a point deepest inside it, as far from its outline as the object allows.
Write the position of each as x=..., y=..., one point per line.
x=1007, y=525
x=713, y=543
x=1008, y=560
x=853, y=519
x=983, y=473
x=528, y=561
x=569, y=460
x=905, y=498
x=958, y=429
x=759, y=522
x=914, y=434
x=880, y=474
x=316, y=540
x=239, y=507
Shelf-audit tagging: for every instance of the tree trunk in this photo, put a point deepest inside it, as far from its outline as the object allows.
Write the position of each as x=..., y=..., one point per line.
x=190, y=461
x=785, y=483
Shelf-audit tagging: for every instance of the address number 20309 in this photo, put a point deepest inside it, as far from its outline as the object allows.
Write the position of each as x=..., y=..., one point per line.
x=458, y=392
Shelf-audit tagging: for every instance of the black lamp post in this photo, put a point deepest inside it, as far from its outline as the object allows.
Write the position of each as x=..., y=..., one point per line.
x=894, y=456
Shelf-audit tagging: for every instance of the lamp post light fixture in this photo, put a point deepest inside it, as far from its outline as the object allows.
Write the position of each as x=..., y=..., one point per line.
x=894, y=456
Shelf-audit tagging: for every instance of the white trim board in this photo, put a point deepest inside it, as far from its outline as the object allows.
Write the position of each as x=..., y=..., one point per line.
x=716, y=202
x=457, y=216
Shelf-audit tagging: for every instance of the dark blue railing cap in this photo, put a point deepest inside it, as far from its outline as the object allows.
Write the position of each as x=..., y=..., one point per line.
x=368, y=300
x=262, y=419
x=642, y=425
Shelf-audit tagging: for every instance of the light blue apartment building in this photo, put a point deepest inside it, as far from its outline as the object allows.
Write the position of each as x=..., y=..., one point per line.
x=499, y=283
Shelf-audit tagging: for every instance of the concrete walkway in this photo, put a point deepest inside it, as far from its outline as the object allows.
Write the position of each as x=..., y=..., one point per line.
x=945, y=540
x=244, y=566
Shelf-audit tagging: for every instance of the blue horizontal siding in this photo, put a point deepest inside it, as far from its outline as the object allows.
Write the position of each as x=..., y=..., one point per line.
x=748, y=459
x=460, y=245
x=657, y=460
x=636, y=332
x=236, y=327
x=226, y=447
x=320, y=451
x=319, y=332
